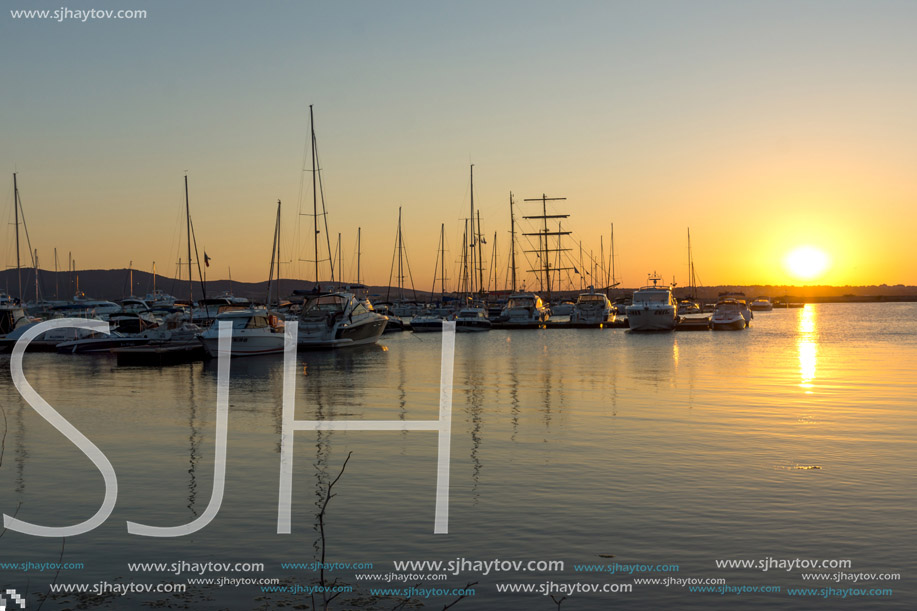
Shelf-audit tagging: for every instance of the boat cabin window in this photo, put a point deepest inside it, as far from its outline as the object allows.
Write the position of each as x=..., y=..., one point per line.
x=524, y=302
x=359, y=309
x=591, y=299
x=257, y=322
x=652, y=297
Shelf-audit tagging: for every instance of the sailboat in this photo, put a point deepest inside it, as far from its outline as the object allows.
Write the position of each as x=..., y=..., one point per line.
x=401, y=306
x=334, y=319
x=690, y=305
x=12, y=314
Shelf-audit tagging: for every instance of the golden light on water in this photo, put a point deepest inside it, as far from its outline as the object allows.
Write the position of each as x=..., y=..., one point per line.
x=807, y=344
x=807, y=263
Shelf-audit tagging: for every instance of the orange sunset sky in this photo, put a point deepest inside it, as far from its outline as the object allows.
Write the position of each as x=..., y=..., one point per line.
x=782, y=134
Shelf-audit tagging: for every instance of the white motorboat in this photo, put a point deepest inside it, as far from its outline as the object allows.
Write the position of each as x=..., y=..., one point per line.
x=653, y=308
x=688, y=306
x=761, y=304
x=564, y=308
x=592, y=308
x=469, y=320
x=739, y=298
x=337, y=320
x=524, y=309
x=83, y=306
x=48, y=340
x=159, y=298
x=12, y=316
x=254, y=331
x=728, y=316
x=208, y=309
x=430, y=321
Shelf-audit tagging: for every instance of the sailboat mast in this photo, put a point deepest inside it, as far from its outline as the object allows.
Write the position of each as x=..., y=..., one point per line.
x=602, y=259
x=472, y=234
x=614, y=281
x=581, y=285
x=278, y=252
x=36, y=275
x=493, y=264
x=270, y=275
x=512, y=232
x=547, y=263
x=690, y=275
x=56, y=297
x=465, y=287
x=358, y=255
x=16, y=212
x=442, y=260
x=188, y=221
x=314, y=193
x=400, y=260
x=480, y=257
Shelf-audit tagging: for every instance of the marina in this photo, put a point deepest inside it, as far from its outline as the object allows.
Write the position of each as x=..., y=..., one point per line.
x=578, y=306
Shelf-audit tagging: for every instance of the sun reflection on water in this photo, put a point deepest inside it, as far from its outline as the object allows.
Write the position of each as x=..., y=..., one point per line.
x=807, y=343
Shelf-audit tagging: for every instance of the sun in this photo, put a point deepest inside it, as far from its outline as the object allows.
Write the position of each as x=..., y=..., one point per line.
x=807, y=263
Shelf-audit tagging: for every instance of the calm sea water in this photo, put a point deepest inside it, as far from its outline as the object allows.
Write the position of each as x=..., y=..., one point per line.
x=792, y=440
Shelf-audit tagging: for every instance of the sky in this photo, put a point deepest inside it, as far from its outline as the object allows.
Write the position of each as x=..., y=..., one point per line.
x=764, y=127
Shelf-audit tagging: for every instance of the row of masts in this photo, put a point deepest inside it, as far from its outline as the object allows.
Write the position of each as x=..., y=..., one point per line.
x=473, y=242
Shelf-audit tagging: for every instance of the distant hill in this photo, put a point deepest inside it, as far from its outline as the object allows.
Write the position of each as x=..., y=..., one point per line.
x=114, y=284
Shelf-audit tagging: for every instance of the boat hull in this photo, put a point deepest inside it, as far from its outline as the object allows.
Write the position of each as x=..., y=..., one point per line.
x=355, y=335
x=246, y=345
x=651, y=319
x=731, y=324
x=472, y=326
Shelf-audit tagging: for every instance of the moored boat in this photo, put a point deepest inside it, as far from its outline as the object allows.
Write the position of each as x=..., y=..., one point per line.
x=592, y=309
x=338, y=320
x=254, y=331
x=728, y=316
x=761, y=304
x=653, y=308
x=524, y=310
x=469, y=320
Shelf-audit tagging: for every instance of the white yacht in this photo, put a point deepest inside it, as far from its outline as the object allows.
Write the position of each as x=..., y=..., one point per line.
x=336, y=320
x=653, y=308
x=592, y=308
x=761, y=304
x=739, y=298
x=254, y=331
x=524, y=309
x=688, y=306
x=83, y=306
x=159, y=298
x=208, y=309
x=728, y=316
x=431, y=321
x=564, y=308
x=474, y=319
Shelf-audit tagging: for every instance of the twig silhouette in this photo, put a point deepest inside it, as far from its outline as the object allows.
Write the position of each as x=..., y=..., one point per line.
x=321, y=525
x=557, y=601
x=3, y=439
